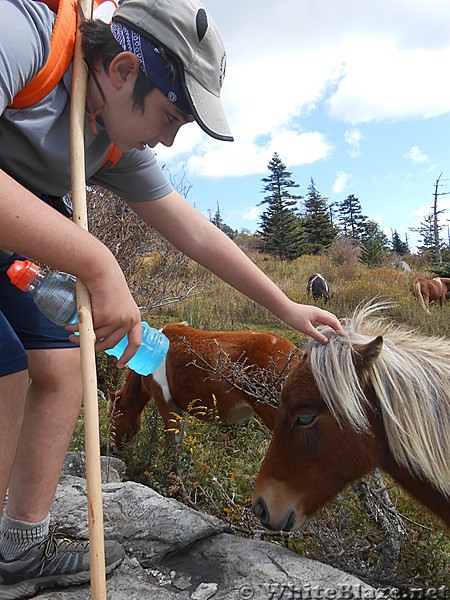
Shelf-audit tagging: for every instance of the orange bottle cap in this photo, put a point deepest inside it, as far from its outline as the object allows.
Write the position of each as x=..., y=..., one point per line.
x=22, y=273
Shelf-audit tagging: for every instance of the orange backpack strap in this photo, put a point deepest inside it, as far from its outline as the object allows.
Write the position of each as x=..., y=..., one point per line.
x=112, y=157
x=62, y=44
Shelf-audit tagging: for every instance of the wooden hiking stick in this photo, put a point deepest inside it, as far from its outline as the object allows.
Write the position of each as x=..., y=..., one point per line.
x=87, y=336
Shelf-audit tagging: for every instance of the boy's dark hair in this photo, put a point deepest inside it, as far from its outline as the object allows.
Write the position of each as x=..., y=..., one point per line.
x=98, y=40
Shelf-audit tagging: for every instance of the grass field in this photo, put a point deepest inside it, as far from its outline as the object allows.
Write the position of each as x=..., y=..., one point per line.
x=214, y=467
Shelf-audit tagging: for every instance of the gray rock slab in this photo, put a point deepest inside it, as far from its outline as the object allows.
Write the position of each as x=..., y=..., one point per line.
x=176, y=553
x=113, y=469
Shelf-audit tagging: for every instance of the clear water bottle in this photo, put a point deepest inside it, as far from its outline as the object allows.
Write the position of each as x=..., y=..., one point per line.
x=54, y=293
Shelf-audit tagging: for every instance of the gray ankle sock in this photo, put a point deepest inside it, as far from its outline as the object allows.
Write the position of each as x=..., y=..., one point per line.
x=18, y=536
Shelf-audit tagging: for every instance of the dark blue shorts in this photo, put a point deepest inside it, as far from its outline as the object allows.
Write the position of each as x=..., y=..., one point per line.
x=22, y=325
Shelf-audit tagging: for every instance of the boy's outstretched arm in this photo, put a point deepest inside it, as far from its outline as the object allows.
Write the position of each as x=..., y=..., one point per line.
x=189, y=231
x=30, y=227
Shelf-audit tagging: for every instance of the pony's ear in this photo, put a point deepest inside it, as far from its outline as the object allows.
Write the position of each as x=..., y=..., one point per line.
x=365, y=355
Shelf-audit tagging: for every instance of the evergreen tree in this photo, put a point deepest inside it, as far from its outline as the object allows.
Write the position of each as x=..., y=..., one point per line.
x=318, y=230
x=374, y=245
x=398, y=246
x=220, y=224
x=334, y=213
x=351, y=219
x=217, y=219
x=279, y=225
x=427, y=232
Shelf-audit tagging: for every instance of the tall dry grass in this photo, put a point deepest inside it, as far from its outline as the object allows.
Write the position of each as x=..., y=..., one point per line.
x=214, y=468
x=350, y=282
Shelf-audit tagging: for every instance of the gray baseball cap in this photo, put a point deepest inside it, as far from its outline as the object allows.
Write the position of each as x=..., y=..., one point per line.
x=186, y=30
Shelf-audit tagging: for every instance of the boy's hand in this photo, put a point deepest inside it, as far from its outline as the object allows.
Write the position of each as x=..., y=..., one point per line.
x=304, y=315
x=114, y=314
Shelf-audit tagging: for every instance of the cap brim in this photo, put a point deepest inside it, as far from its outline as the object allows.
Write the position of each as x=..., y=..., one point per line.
x=208, y=111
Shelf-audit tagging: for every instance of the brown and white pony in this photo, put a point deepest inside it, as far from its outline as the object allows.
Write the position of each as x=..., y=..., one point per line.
x=184, y=378
x=427, y=291
x=378, y=396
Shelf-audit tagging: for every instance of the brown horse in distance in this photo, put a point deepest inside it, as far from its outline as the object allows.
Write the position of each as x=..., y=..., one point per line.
x=182, y=382
x=377, y=397
x=428, y=291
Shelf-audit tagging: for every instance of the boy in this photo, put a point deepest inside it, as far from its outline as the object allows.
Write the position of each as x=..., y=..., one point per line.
x=159, y=66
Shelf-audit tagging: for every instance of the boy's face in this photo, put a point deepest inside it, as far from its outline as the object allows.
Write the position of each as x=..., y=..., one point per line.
x=130, y=127
x=158, y=123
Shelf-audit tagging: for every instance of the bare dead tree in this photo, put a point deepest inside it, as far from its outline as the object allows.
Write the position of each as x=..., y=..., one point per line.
x=436, y=226
x=378, y=506
x=179, y=181
x=156, y=272
x=262, y=384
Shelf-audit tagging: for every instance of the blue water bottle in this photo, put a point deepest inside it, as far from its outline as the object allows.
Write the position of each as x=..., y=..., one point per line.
x=151, y=353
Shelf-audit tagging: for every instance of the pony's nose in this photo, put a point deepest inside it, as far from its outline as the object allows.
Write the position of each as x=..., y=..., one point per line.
x=290, y=521
x=286, y=522
x=261, y=511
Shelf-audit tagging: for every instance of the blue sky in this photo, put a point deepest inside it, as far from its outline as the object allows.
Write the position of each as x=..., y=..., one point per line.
x=353, y=93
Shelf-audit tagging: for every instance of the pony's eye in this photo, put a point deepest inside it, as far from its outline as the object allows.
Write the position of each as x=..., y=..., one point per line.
x=305, y=420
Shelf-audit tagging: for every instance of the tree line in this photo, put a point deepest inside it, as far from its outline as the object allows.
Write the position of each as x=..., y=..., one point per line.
x=292, y=225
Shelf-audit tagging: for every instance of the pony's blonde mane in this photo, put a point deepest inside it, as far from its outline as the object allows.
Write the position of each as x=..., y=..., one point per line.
x=411, y=378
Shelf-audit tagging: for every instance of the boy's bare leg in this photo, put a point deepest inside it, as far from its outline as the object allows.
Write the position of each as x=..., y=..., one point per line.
x=32, y=557
x=51, y=411
x=13, y=391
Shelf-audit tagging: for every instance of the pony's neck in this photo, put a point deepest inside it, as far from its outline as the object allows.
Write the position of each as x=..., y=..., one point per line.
x=422, y=490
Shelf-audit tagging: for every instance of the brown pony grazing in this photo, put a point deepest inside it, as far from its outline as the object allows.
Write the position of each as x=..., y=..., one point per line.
x=181, y=379
x=378, y=396
x=427, y=291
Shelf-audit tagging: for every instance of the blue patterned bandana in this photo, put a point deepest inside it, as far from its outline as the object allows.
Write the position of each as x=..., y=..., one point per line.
x=152, y=64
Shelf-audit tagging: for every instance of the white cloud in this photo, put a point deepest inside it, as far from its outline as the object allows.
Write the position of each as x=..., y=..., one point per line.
x=430, y=169
x=382, y=179
x=416, y=155
x=251, y=213
x=341, y=182
x=354, y=62
x=353, y=138
x=373, y=61
x=407, y=180
x=383, y=63
x=215, y=159
x=425, y=209
x=381, y=81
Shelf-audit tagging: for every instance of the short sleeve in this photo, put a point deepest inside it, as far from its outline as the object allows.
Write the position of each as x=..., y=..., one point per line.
x=25, y=32
x=137, y=177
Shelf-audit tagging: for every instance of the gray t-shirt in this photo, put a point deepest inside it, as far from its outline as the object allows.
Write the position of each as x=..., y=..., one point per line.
x=34, y=141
